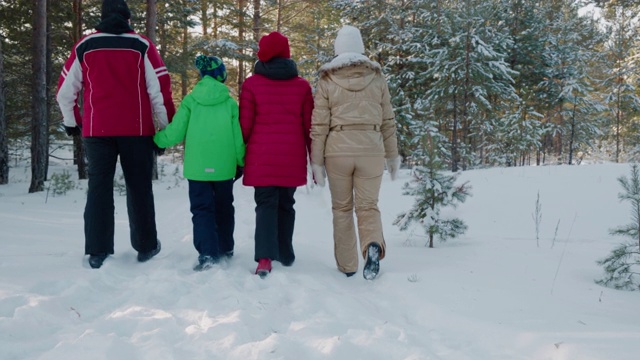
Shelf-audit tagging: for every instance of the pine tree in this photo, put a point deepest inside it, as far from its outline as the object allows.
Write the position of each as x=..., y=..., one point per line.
x=508, y=138
x=622, y=266
x=472, y=81
x=434, y=189
x=523, y=123
x=569, y=54
x=620, y=76
x=407, y=46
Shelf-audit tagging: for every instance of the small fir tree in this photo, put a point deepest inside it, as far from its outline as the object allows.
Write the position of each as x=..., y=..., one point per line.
x=434, y=189
x=622, y=266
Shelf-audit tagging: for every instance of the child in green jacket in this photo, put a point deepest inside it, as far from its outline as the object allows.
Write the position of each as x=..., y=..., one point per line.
x=207, y=122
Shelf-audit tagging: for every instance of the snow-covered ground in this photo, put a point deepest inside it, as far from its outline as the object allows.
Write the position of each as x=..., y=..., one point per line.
x=495, y=293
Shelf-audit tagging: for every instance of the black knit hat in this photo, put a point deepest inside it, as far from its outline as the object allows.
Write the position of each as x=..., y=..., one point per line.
x=119, y=7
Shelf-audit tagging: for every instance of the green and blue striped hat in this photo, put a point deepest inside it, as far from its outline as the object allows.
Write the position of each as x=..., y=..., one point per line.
x=212, y=66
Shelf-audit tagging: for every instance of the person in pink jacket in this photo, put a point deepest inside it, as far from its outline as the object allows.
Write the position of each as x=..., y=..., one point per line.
x=275, y=116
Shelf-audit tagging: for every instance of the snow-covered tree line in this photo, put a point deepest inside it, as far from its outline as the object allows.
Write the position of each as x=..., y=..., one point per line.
x=508, y=82
x=502, y=82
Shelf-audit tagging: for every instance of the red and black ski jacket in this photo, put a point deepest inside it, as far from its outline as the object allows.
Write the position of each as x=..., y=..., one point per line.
x=127, y=88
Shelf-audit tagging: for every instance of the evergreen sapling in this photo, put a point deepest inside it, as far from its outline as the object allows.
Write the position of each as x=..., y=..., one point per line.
x=622, y=266
x=434, y=189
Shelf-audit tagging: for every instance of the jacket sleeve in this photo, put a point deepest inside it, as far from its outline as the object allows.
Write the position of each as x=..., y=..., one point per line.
x=237, y=134
x=158, y=87
x=307, y=113
x=320, y=123
x=388, y=127
x=247, y=111
x=69, y=86
x=176, y=131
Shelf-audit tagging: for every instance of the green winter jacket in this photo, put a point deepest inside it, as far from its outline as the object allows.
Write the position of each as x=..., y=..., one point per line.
x=207, y=122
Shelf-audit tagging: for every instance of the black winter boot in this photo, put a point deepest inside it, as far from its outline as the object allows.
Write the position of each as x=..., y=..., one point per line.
x=146, y=256
x=96, y=260
x=372, y=266
x=205, y=262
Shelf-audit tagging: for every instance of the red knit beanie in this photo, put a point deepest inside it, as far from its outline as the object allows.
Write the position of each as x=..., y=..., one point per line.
x=273, y=45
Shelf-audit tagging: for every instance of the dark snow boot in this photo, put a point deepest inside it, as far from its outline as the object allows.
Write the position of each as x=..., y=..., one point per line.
x=372, y=266
x=205, y=262
x=95, y=261
x=287, y=262
x=146, y=256
x=350, y=274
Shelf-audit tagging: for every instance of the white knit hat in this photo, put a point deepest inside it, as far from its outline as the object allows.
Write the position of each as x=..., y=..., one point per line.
x=349, y=40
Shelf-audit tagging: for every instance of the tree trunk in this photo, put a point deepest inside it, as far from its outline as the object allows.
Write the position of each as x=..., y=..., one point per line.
x=204, y=17
x=618, y=126
x=4, y=149
x=79, y=158
x=454, y=136
x=215, y=19
x=464, y=120
x=572, y=134
x=432, y=201
x=241, y=73
x=256, y=21
x=151, y=20
x=48, y=76
x=162, y=30
x=279, y=17
x=184, y=75
x=39, y=131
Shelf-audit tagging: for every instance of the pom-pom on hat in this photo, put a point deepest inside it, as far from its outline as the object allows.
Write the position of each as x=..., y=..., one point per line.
x=348, y=40
x=119, y=7
x=273, y=45
x=212, y=66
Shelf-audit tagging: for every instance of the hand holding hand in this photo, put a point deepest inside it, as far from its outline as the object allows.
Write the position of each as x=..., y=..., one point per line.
x=319, y=174
x=239, y=173
x=393, y=165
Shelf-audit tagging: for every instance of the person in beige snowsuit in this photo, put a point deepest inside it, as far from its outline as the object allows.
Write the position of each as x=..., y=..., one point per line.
x=353, y=134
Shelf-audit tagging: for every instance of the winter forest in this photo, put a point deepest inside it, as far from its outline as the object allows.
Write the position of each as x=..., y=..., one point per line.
x=477, y=83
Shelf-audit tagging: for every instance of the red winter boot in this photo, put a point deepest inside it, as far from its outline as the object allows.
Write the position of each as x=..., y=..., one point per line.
x=264, y=267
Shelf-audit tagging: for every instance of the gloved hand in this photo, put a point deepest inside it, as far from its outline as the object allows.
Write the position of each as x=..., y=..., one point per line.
x=73, y=130
x=158, y=150
x=319, y=174
x=239, y=173
x=393, y=165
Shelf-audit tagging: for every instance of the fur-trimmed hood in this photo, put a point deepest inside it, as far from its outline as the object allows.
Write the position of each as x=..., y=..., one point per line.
x=351, y=71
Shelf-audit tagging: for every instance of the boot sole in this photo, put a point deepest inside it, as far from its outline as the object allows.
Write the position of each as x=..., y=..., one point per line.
x=372, y=266
x=144, y=257
x=96, y=261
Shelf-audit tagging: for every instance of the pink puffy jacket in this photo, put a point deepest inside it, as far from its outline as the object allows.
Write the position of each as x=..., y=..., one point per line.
x=275, y=116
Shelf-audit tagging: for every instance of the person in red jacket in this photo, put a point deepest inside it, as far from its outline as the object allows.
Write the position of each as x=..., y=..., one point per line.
x=126, y=98
x=275, y=116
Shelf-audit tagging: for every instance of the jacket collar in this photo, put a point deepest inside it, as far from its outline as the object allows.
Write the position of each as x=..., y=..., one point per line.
x=277, y=68
x=114, y=24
